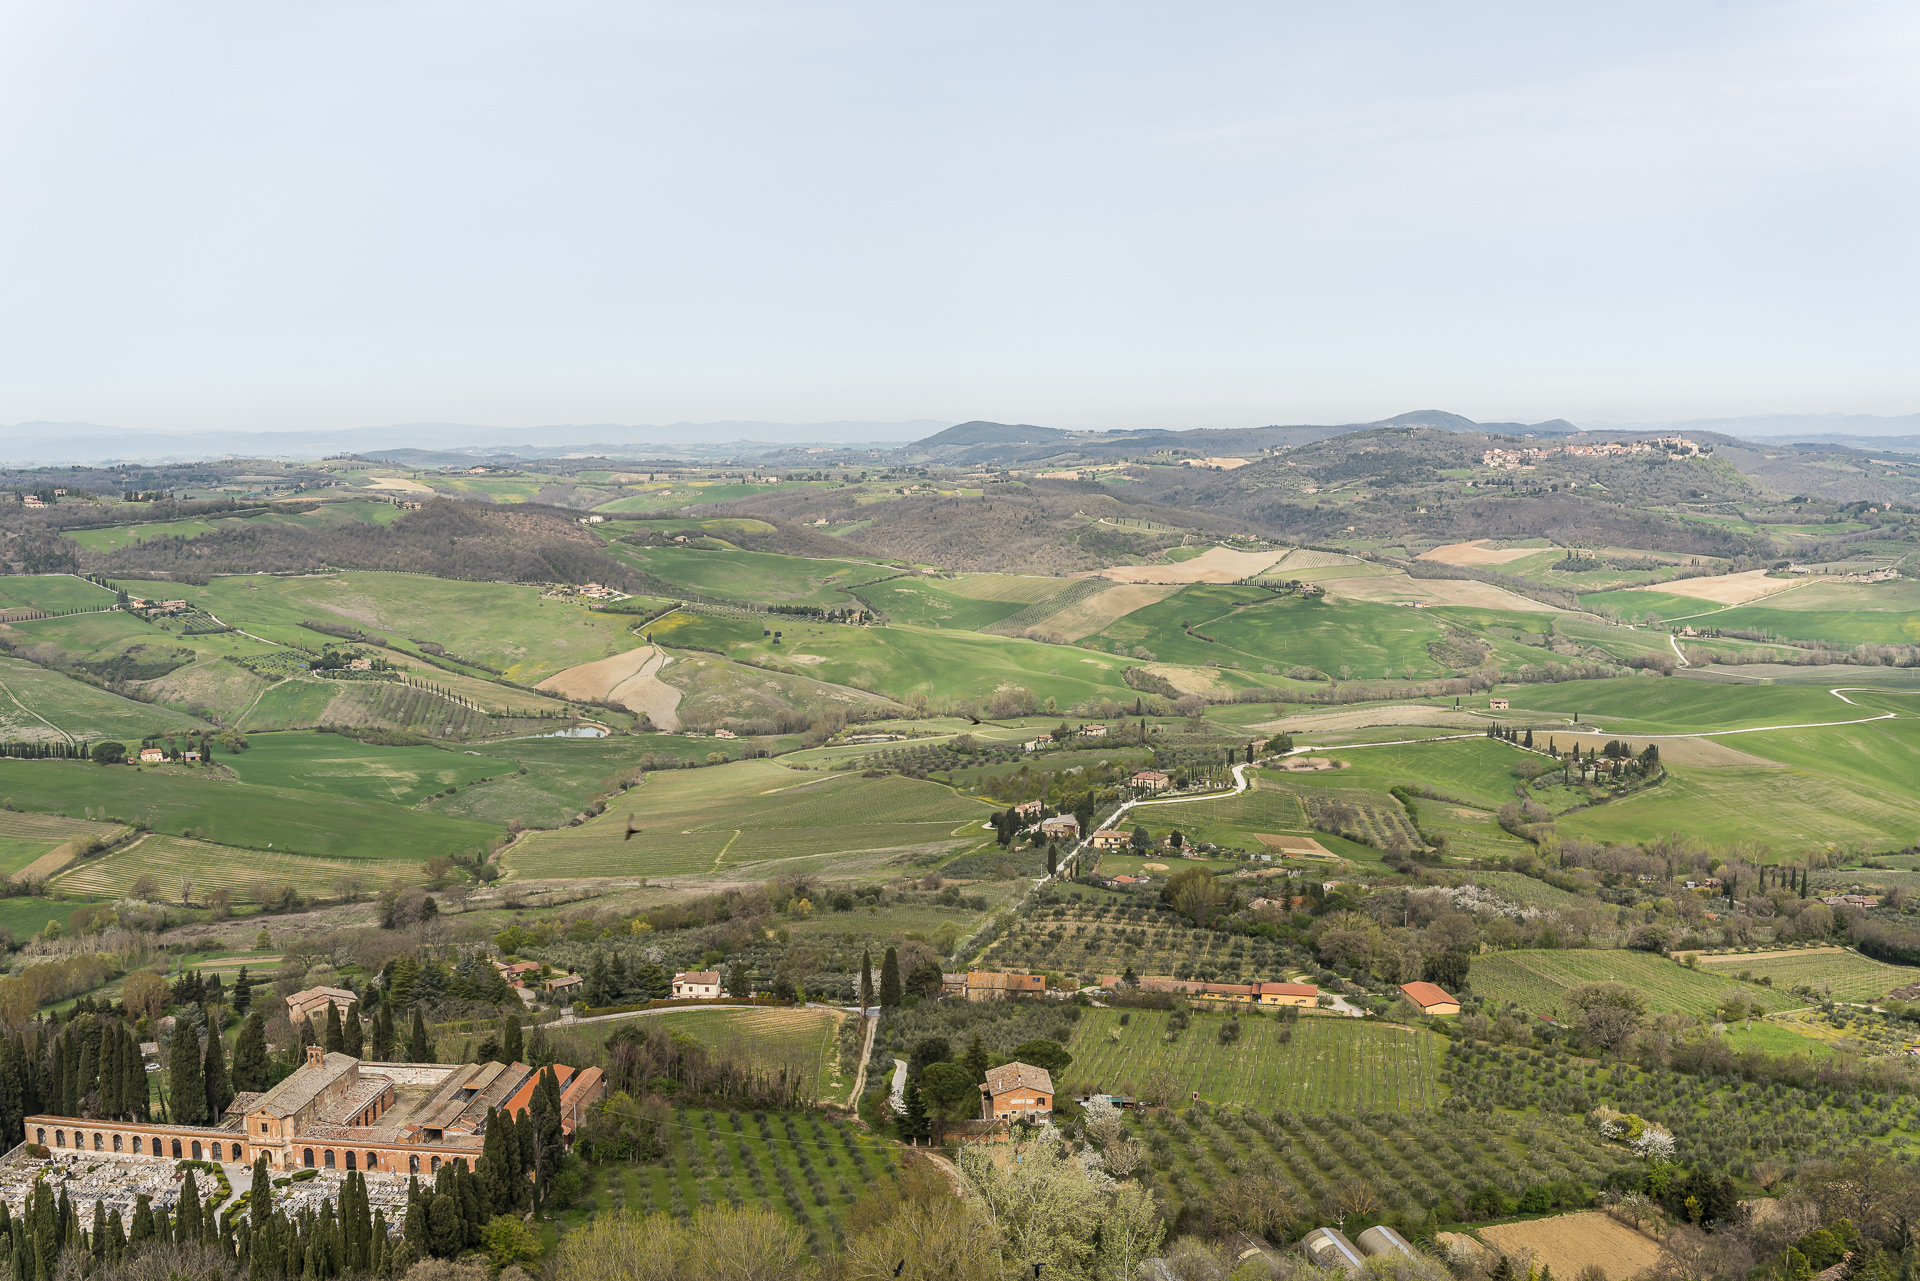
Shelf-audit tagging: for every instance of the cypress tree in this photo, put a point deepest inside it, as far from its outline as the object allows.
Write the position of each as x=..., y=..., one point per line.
x=976, y=1059
x=523, y=1144
x=99, y=1241
x=44, y=1228
x=113, y=1077
x=62, y=1105
x=352, y=1037
x=383, y=1034
x=22, y=1252
x=187, y=1223
x=242, y=993
x=866, y=979
x=136, y=1093
x=511, y=1047
x=143, y=1219
x=335, y=1039
x=68, y=1229
x=186, y=1085
x=419, y=1050
x=494, y=1162
x=377, y=1255
x=250, y=1055
x=87, y=1075
x=116, y=1236
x=214, y=1069
x=890, y=979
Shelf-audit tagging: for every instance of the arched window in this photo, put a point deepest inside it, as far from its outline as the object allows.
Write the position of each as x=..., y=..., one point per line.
x=176, y=1149
x=436, y=1165
x=196, y=1149
x=308, y=1153
x=136, y=1145
x=413, y=1165
x=350, y=1162
x=116, y=1143
x=373, y=1160
x=59, y=1138
x=40, y=1136
x=328, y=1154
x=99, y=1141
x=216, y=1151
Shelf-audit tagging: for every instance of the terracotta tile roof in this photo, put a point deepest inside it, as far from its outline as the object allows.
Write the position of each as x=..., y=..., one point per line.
x=1018, y=1076
x=1424, y=994
x=305, y=1085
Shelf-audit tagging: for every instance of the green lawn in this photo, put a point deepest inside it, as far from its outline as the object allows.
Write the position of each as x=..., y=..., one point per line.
x=344, y=767
x=1538, y=981
x=1316, y=1063
x=53, y=593
x=174, y=797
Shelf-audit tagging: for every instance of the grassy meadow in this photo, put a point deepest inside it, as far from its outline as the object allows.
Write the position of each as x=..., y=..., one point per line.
x=53, y=593
x=798, y=1041
x=172, y=859
x=1538, y=981
x=343, y=767
x=177, y=798
x=752, y=812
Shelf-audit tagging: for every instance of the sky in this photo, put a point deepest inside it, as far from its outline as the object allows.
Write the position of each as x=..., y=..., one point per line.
x=278, y=216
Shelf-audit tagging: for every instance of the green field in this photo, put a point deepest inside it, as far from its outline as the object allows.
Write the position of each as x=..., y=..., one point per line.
x=1479, y=769
x=1788, y=810
x=902, y=661
x=760, y=577
x=344, y=767
x=1843, y=975
x=1633, y=604
x=21, y=918
x=170, y=859
x=39, y=704
x=53, y=593
x=1649, y=705
x=176, y=797
x=1845, y=613
x=1316, y=1063
x=1278, y=803
x=797, y=1041
x=752, y=812
x=925, y=602
x=506, y=626
x=1538, y=981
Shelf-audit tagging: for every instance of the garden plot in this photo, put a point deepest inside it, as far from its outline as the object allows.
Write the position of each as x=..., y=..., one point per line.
x=797, y=1041
x=1569, y=1242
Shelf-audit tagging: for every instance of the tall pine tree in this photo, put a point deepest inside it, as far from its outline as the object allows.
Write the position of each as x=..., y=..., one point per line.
x=890, y=979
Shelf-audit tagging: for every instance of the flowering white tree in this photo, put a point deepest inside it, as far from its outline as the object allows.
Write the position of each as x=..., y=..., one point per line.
x=1654, y=1144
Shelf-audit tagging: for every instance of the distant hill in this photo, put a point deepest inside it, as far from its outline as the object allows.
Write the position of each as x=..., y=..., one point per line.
x=980, y=432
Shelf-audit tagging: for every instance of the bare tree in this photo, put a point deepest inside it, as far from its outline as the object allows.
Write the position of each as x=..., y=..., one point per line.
x=186, y=889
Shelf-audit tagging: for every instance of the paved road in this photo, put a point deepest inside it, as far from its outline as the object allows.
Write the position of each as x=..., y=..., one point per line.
x=898, y=1099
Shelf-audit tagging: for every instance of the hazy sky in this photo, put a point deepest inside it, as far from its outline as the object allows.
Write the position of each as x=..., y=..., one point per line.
x=323, y=214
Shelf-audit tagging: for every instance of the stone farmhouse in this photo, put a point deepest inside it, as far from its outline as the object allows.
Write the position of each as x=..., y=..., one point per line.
x=1017, y=1090
x=337, y=1112
x=302, y=1006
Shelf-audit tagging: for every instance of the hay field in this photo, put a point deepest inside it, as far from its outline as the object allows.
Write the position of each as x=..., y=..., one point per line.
x=745, y=813
x=1538, y=981
x=1568, y=1242
x=1401, y=589
x=1476, y=553
x=631, y=679
x=1095, y=613
x=1387, y=714
x=169, y=858
x=1027, y=589
x=1215, y=565
x=1727, y=589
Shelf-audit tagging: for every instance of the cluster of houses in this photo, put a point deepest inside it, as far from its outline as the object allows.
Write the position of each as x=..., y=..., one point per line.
x=1048, y=740
x=1664, y=446
x=145, y=606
